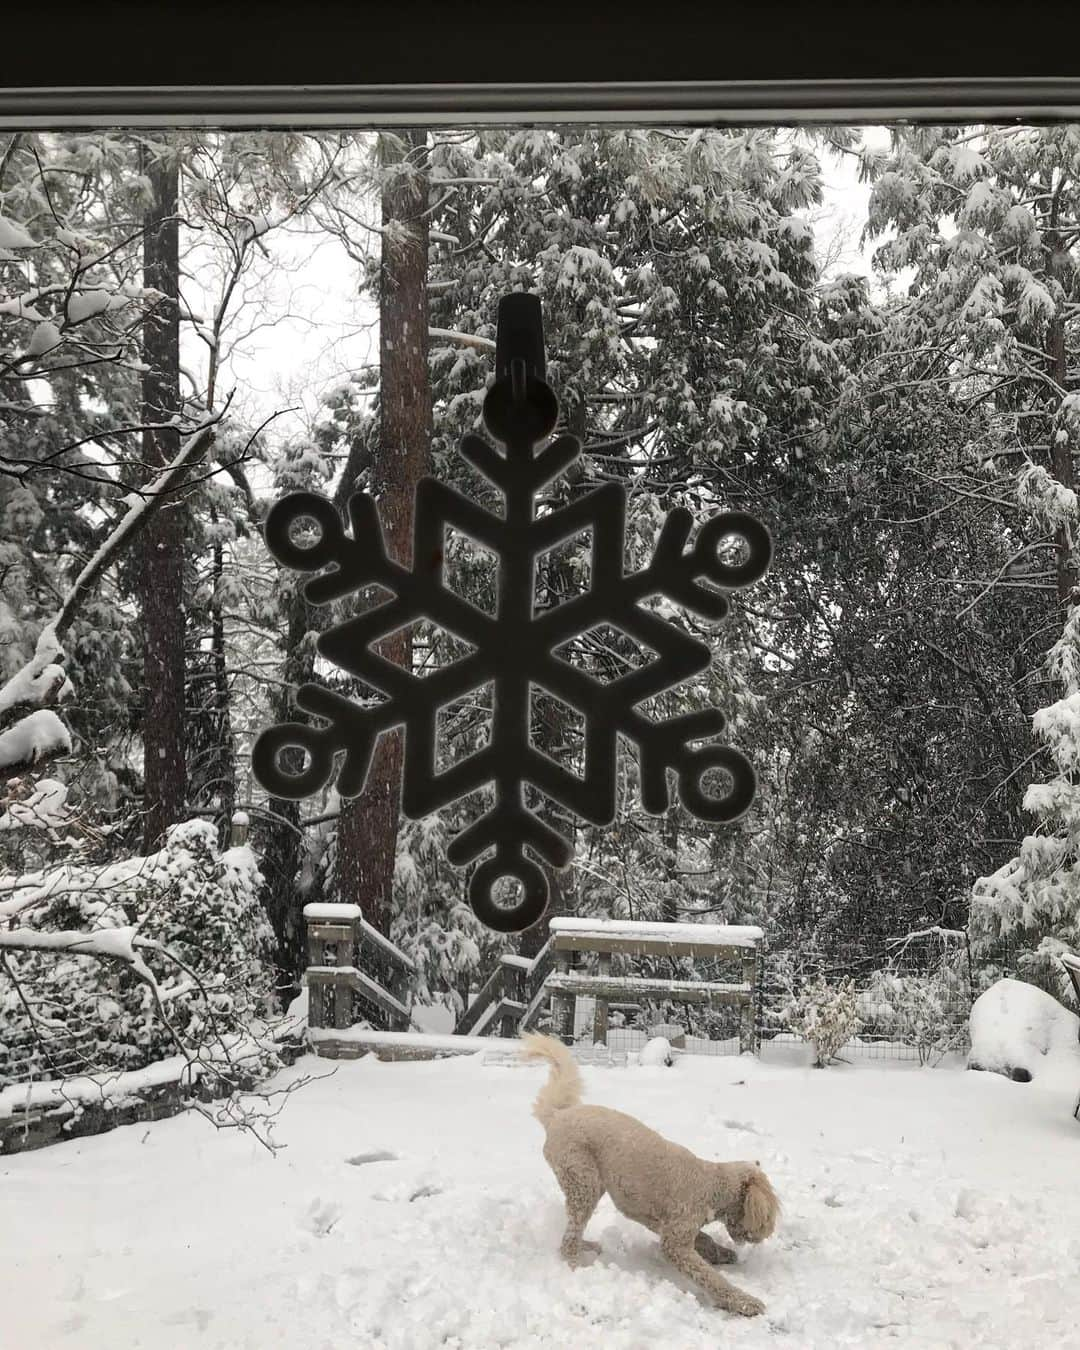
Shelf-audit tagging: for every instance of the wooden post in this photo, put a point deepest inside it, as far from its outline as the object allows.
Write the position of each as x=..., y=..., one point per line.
x=316, y=992
x=747, y=1020
x=512, y=988
x=343, y=1004
x=599, y=1034
x=563, y=1005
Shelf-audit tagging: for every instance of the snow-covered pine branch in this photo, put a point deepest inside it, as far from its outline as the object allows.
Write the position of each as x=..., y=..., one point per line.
x=466, y=339
x=41, y=680
x=32, y=740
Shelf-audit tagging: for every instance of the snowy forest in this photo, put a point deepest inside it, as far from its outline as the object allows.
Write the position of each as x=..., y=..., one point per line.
x=906, y=680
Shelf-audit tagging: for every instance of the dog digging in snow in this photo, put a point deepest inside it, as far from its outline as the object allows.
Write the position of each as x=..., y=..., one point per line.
x=593, y=1150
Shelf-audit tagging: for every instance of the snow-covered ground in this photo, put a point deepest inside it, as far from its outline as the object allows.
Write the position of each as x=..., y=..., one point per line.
x=412, y=1208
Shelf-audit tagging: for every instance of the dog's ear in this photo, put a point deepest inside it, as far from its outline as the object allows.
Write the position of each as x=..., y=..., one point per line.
x=761, y=1208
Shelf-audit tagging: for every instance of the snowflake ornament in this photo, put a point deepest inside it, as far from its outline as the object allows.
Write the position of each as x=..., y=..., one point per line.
x=515, y=649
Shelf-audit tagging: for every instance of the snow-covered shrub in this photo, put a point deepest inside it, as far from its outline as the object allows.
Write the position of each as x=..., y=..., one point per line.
x=656, y=1053
x=431, y=920
x=826, y=1015
x=210, y=958
x=1022, y=1031
x=919, y=1010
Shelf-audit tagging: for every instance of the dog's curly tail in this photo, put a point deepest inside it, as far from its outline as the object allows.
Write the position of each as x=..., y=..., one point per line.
x=563, y=1087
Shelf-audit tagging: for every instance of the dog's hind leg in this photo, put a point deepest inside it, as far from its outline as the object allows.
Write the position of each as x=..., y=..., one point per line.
x=712, y=1251
x=679, y=1248
x=582, y=1187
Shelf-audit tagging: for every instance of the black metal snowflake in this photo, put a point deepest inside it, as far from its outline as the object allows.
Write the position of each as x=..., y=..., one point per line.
x=514, y=648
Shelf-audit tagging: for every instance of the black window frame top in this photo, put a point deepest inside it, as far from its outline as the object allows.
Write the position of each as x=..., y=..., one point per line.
x=368, y=63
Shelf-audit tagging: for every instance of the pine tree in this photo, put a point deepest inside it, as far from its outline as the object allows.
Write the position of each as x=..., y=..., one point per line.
x=368, y=827
x=677, y=277
x=161, y=548
x=989, y=218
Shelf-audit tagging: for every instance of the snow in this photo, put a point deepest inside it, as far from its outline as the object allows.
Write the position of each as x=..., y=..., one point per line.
x=43, y=339
x=332, y=913
x=38, y=734
x=655, y=1053
x=12, y=235
x=433, y=1041
x=44, y=808
x=1017, y=1026
x=86, y=304
x=43, y=674
x=729, y=935
x=922, y=1208
x=117, y=943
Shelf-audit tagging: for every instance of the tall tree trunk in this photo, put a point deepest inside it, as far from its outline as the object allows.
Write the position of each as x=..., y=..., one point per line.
x=161, y=546
x=367, y=829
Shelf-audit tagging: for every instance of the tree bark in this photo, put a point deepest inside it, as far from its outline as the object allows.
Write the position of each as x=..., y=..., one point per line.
x=368, y=827
x=161, y=546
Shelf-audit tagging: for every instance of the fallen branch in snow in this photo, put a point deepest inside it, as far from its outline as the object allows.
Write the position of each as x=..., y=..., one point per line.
x=232, y=1061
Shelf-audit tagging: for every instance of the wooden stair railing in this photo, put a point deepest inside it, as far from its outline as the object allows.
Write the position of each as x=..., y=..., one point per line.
x=354, y=973
x=512, y=997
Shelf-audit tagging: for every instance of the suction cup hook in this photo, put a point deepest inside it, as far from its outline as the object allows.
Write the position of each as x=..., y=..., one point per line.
x=520, y=406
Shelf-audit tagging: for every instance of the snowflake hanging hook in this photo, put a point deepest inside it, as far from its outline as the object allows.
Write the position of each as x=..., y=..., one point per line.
x=514, y=649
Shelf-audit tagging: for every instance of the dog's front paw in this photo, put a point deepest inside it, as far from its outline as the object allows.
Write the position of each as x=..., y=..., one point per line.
x=583, y=1255
x=746, y=1305
x=714, y=1252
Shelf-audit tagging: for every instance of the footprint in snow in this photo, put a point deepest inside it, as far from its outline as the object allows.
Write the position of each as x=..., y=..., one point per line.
x=745, y=1125
x=320, y=1216
x=198, y=1317
x=376, y=1155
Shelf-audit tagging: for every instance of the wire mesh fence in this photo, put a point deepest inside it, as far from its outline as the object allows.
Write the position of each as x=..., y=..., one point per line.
x=911, y=1001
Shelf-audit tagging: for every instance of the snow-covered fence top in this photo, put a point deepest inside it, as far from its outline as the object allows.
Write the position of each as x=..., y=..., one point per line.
x=705, y=934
